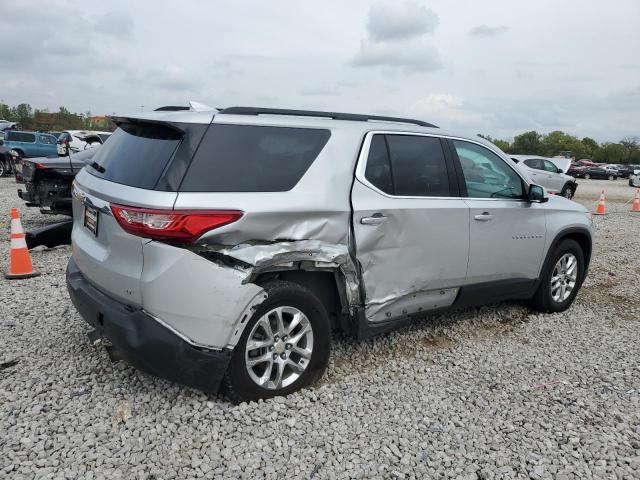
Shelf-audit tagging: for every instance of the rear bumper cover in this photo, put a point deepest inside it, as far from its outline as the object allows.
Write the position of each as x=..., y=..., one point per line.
x=143, y=341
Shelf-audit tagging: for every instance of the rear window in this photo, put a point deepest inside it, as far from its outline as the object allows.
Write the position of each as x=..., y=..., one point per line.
x=136, y=154
x=244, y=158
x=21, y=137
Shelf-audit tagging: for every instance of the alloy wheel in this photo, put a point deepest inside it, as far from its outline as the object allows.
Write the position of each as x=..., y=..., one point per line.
x=279, y=348
x=564, y=277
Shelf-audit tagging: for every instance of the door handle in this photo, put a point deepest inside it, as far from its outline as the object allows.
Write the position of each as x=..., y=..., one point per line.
x=375, y=219
x=484, y=217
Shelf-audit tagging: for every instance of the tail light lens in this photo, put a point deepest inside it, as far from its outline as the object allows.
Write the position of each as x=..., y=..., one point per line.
x=177, y=226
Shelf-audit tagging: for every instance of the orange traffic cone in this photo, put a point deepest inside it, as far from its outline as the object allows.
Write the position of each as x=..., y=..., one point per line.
x=635, y=207
x=20, y=262
x=601, y=209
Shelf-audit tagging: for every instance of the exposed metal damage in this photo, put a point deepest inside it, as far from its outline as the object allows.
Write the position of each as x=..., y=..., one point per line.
x=251, y=259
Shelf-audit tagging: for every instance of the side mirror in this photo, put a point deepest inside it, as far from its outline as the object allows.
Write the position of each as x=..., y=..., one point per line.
x=537, y=194
x=560, y=170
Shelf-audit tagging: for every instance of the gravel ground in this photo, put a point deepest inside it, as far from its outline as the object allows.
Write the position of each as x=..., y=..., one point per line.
x=494, y=392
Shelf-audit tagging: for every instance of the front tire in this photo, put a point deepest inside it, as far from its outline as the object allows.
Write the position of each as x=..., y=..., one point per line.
x=284, y=347
x=561, y=279
x=567, y=191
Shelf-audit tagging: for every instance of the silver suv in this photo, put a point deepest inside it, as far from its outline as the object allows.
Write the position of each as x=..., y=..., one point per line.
x=219, y=249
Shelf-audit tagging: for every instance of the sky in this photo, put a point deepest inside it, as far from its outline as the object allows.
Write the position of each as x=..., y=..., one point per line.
x=496, y=67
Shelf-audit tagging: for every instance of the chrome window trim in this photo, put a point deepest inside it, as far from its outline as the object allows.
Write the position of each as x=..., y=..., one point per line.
x=364, y=155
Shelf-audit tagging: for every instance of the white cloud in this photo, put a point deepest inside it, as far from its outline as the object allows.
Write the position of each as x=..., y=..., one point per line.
x=446, y=110
x=396, y=38
x=487, y=31
x=400, y=20
x=408, y=57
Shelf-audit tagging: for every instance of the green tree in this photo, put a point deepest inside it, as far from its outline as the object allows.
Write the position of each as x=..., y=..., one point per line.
x=501, y=144
x=527, y=143
x=611, y=153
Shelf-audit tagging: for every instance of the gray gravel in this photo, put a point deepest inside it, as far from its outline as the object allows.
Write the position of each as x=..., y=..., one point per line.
x=495, y=392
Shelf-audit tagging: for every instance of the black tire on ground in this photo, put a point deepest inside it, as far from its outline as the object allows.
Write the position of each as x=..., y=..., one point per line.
x=238, y=385
x=3, y=169
x=542, y=300
x=567, y=191
x=587, y=176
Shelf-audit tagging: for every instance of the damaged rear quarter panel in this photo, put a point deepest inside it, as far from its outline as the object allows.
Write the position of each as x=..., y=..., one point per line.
x=209, y=303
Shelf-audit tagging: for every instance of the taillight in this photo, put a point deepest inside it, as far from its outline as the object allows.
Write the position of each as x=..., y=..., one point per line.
x=41, y=166
x=178, y=226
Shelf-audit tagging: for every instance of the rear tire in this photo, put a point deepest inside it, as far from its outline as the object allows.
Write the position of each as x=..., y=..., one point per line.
x=3, y=169
x=265, y=379
x=552, y=282
x=567, y=191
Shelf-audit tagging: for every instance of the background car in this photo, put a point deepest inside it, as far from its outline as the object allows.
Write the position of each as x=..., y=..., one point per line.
x=30, y=144
x=597, y=172
x=547, y=173
x=634, y=180
x=47, y=181
x=625, y=171
x=78, y=140
x=6, y=160
x=579, y=166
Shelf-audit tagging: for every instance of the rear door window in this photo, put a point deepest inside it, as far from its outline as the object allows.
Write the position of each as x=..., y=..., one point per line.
x=408, y=166
x=245, y=158
x=136, y=154
x=534, y=163
x=21, y=137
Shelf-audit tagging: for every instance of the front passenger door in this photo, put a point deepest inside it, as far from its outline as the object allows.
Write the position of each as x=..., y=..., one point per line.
x=507, y=232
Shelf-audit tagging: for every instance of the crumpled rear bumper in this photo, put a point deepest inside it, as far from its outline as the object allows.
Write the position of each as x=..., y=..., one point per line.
x=143, y=341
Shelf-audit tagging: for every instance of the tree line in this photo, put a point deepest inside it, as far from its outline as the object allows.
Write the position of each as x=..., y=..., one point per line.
x=555, y=143
x=42, y=120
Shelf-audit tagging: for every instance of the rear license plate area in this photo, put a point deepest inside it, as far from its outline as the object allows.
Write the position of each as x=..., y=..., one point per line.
x=91, y=219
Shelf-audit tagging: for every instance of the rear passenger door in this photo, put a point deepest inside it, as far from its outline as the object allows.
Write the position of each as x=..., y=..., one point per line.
x=411, y=228
x=507, y=232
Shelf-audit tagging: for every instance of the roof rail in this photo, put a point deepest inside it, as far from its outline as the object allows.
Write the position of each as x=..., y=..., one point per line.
x=171, y=108
x=310, y=113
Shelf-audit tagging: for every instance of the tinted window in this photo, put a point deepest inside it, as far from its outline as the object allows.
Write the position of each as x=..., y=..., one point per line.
x=378, y=170
x=534, y=163
x=244, y=158
x=136, y=154
x=418, y=166
x=486, y=174
x=21, y=137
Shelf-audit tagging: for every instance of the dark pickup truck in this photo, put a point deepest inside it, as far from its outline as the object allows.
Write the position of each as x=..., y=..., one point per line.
x=47, y=180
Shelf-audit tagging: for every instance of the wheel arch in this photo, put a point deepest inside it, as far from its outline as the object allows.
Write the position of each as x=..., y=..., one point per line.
x=326, y=284
x=581, y=235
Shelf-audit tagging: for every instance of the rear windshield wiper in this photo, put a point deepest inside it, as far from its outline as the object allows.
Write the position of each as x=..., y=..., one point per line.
x=98, y=167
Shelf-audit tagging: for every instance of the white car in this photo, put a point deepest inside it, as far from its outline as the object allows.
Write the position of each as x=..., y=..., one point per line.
x=78, y=140
x=549, y=172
